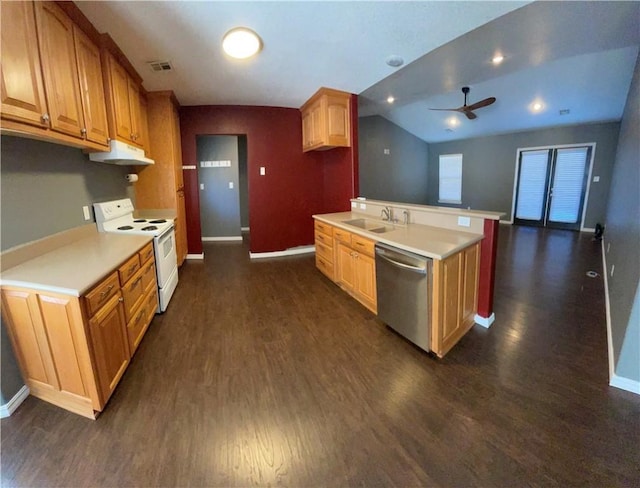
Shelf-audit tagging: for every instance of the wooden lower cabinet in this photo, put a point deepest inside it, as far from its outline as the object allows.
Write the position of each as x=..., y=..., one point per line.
x=455, y=298
x=355, y=269
x=73, y=351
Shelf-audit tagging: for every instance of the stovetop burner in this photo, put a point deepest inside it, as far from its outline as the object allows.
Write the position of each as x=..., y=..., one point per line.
x=137, y=221
x=125, y=227
x=149, y=227
x=159, y=221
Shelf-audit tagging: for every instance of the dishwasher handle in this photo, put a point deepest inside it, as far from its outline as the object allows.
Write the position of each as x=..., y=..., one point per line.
x=416, y=269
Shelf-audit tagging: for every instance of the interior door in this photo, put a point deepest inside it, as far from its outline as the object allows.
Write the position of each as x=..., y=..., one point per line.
x=551, y=187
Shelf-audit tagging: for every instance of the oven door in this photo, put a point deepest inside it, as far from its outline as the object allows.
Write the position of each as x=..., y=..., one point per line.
x=166, y=258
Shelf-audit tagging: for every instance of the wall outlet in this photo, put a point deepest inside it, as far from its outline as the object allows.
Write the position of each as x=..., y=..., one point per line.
x=86, y=213
x=202, y=186
x=596, y=179
x=363, y=206
x=464, y=221
x=263, y=171
x=231, y=185
x=354, y=205
x=386, y=151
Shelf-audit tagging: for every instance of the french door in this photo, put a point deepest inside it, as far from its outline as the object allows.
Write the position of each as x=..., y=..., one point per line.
x=551, y=186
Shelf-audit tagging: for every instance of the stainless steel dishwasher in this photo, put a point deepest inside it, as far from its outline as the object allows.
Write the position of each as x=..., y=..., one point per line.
x=403, y=280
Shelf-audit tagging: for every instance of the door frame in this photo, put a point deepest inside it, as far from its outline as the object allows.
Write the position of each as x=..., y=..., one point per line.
x=591, y=145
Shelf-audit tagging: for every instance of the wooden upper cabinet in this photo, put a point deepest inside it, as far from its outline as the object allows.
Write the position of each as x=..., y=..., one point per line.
x=23, y=97
x=55, y=39
x=91, y=88
x=124, y=104
x=326, y=120
x=144, y=125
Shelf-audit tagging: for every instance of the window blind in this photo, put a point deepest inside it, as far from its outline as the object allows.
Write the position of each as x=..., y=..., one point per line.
x=568, y=178
x=532, y=185
x=450, y=178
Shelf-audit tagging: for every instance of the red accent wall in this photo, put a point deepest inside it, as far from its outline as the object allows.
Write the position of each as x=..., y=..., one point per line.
x=296, y=185
x=488, y=251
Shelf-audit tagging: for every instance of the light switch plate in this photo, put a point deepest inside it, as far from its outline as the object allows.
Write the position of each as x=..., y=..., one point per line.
x=596, y=179
x=263, y=171
x=354, y=205
x=231, y=185
x=202, y=186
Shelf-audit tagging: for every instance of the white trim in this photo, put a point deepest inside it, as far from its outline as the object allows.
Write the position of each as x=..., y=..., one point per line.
x=592, y=145
x=587, y=229
x=195, y=256
x=287, y=252
x=509, y=222
x=244, y=228
x=607, y=307
x=8, y=408
x=485, y=321
x=221, y=239
x=625, y=384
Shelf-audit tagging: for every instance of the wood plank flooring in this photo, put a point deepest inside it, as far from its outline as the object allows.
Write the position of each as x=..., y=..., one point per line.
x=264, y=373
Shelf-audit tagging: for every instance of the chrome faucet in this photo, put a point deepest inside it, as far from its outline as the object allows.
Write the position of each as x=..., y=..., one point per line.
x=405, y=214
x=387, y=214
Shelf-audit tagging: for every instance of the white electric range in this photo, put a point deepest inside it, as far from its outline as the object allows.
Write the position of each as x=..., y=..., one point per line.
x=117, y=216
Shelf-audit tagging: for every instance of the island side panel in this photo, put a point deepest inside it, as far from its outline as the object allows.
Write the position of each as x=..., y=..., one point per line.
x=488, y=251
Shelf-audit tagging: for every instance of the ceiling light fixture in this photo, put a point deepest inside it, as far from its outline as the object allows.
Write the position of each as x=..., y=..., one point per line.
x=241, y=43
x=395, y=61
x=453, y=122
x=536, y=107
x=390, y=99
x=497, y=59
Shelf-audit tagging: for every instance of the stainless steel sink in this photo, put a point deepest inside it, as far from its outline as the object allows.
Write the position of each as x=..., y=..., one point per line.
x=370, y=225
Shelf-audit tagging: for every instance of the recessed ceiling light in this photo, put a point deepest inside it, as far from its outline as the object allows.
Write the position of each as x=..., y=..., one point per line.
x=241, y=43
x=536, y=106
x=394, y=61
x=390, y=99
x=453, y=122
x=497, y=59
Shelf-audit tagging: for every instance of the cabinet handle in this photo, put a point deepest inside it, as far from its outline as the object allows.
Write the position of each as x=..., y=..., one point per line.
x=140, y=315
x=132, y=268
x=83, y=131
x=105, y=293
x=121, y=299
x=135, y=283
x=46, y=118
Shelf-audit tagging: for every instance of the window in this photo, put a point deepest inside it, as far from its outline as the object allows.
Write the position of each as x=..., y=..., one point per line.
x=450, y=189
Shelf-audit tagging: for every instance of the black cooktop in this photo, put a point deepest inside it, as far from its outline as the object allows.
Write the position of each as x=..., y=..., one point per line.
x=150, y=227
x=125, y=227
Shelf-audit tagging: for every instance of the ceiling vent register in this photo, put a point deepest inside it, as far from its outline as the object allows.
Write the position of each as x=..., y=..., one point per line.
x=160, y=66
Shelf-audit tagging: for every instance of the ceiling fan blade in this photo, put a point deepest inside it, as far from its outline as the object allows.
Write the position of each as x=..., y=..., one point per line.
x=482, y=103
x=470, y=115
x=459, y=109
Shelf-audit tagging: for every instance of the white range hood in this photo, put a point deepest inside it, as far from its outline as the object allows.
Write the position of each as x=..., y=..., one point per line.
x=122, y=154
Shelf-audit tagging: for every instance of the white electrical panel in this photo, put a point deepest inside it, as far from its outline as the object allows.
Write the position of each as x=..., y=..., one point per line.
x=226, y=163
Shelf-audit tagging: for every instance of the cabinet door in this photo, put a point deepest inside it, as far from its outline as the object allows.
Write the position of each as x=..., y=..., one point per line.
x=470, y=272
x=181, y=229
x=94, y=107
x=451, y=288
x=365, y=281
x=345, y=273
x=144, y=126
x=26, y=331
x=317, y=125
x=60, y=71
x=120, y=100
x=134, y=110
x=337, y=125
x=110, y=346
x=307, y=129
x=23, y=98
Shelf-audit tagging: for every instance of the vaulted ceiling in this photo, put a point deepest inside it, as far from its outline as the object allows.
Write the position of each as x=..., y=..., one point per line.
x=576, y=56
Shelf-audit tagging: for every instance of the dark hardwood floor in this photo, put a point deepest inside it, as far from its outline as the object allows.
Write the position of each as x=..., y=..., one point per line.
x=264, y=373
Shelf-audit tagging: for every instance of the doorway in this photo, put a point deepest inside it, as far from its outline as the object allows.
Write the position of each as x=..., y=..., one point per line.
x=551, y=186
x=223, y=186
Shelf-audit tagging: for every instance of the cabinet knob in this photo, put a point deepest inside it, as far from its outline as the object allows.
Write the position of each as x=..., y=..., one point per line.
x=121, y=299
x=83, y=131
x=46, y=118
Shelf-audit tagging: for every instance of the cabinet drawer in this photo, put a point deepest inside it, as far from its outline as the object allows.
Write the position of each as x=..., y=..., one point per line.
x=149, y=276
x=324, y=238
x=342, y=236
x=322, y=227
x=325, y=266
x=133, y=293
x=101, y=294
x=146, y=253
x=128, y=269
x=363, y=245
x=140, y=321
x=324, y=251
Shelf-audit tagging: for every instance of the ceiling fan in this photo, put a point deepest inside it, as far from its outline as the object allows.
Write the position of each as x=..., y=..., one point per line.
x=468, y=109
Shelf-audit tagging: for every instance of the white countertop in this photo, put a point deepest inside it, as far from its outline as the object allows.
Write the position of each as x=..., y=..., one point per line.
x=484, y=214
x=75, y=268
x=432, y=242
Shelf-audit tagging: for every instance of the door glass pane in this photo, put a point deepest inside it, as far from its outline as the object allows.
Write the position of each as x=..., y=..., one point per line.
x=566, y=188
x=532, y=185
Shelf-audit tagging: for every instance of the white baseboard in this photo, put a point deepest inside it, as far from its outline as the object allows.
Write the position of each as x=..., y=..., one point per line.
x=244, y=229
x=485, y=321
x=221, y=239
x=625, y=384
x=10, y=407
x=587, y=229
x=195, y=256
x=508, y=222
x=287, y=252
x=607, y=307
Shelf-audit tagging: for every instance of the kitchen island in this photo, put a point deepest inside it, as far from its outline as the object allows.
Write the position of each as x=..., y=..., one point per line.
x=345, y=244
